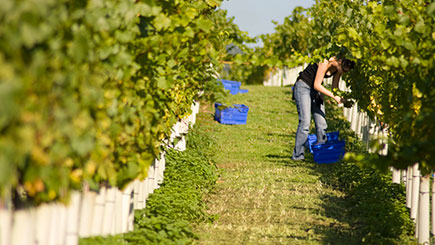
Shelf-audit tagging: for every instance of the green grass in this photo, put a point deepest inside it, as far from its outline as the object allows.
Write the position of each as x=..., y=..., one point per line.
x=262, y=196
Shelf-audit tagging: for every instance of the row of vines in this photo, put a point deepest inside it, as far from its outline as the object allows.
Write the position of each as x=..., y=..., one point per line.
x=393, y=45
x=90, y=89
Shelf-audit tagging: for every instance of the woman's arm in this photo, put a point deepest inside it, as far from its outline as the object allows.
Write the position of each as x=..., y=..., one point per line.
x=320, y=75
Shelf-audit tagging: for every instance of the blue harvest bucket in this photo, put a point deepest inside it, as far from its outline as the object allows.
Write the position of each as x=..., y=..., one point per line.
x=312, y=139
x=329, y=152
x=237, y=114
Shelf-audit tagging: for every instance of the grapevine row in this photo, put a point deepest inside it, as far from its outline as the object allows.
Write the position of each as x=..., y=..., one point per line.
x=393, y=44
x=90, y=89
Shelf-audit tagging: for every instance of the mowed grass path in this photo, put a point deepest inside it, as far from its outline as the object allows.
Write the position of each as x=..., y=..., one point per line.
x=262, y=196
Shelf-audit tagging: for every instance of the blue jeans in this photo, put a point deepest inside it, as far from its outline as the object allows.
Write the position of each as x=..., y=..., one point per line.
x=308, y=101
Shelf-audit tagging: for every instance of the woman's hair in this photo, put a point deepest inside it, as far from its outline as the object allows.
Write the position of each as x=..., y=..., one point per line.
x=347, y=63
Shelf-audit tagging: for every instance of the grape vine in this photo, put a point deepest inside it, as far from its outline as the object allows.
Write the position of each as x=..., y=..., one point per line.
x=91, y=88
x=392, y=42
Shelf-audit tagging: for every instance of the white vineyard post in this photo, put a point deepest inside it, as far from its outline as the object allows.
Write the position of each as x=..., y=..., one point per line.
x=276, y=79
x=372, y=133
x=354, y=117
x=377, y=131
x=349, y=113
x=271, y=78
x=146, y=186
x=404, y=176
x=86, y=213
x=23, y=227
x=124, y=210
x=269, y=81
x=174, y=133
x=137, y=193
x=281, y=77
x=280, y=82
x=73, y=213
x=179, y=130
x=365, y=130
x=286, y=73
x=416, y=222
x=142, y=195
x=384, y=141
x=63, y=223
x=130, y=208
x=156, y=174
x=181, y=144
x=5, y=225
x=118, y=212
x=196, y=111
x=151, y=178
x=290, y=79
x=197, y=105
x=423, y=211
x=127, y=208
x=184, y=126
x=149, y=183
x=357, y=124
x=415, y=195
x=162, y=166
x=409, y=187
x=193, y=115
x=52, y=228
x=360, y=124
x=396, y=176
x=57, y=223
x=43, y=220
x=346, y=113
x=98, y=215
x=433, y=206
x=109, y=212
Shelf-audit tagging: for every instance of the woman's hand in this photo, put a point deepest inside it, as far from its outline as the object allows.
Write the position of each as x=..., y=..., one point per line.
x=337, y=99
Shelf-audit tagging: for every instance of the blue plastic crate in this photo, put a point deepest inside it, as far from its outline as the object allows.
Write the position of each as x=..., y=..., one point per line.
x=329, y=152
x=232, y=86
x=312, y=139
x=237, y=114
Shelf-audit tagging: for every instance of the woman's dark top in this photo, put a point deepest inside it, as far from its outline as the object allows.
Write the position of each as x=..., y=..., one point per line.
x=309, y=74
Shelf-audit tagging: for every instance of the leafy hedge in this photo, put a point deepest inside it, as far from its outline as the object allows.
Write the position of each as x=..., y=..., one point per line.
x=178, y=203
x=90, y=88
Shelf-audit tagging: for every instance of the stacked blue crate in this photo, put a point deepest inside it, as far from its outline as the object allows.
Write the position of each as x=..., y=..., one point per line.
x=237, y=114
x=232, y=86
x=330, y=152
